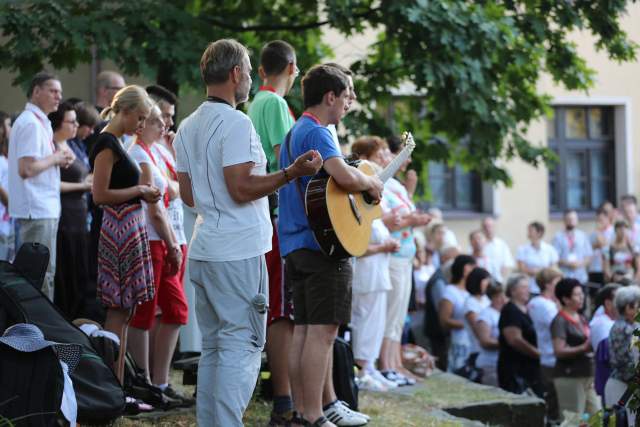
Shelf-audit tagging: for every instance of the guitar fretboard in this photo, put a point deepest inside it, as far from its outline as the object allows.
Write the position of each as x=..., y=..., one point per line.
x=395, y=164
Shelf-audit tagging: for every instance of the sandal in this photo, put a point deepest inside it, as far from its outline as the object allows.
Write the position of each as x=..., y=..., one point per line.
x=317, y=423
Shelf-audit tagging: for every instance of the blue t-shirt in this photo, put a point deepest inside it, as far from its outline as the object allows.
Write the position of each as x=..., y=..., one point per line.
x=293, y=227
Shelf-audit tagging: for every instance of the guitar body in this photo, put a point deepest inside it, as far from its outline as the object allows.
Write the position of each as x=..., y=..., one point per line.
x=341, y=222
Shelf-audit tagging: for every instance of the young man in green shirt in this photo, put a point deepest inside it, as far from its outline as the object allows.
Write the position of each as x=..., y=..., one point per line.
x=272, y=119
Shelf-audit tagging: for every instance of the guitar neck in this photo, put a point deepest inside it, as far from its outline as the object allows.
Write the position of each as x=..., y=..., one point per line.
x=395, y=164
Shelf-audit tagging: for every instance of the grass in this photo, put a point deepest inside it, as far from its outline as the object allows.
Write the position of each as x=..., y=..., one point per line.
x=416, y=409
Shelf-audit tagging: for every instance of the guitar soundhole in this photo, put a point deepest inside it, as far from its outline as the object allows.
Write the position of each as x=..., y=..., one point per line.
x=367, y=198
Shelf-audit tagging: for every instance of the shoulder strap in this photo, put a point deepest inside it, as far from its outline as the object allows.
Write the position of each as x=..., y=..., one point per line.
x=287, y=143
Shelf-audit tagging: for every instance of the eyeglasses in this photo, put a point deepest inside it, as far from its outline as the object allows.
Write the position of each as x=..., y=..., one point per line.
x=116, y=88
x=71, y=122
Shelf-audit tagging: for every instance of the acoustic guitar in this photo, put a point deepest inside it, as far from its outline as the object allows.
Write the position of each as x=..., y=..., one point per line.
x=340, y=221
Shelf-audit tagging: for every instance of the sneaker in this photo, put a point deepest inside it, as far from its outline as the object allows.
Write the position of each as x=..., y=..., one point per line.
x=177, y=395
x=406, y=379
x=367, y=382
x=342, y=416
x=348, y=408
x=395, y=377
x=381, y=379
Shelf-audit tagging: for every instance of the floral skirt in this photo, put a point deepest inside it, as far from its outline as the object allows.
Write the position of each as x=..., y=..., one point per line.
x=125, y=271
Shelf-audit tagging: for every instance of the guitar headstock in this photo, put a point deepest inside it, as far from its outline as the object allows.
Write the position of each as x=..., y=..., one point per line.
x=408, y=140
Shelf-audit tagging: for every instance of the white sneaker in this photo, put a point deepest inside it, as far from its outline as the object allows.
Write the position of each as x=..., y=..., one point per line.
x=367, y=382
x=376, y=375
x=348, y=408
x=341, y=415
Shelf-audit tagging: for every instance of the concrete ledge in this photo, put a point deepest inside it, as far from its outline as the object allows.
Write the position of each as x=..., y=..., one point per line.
x=464, y=399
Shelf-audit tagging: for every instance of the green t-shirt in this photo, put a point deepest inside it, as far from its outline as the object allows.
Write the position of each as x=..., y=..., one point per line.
x=272, y=119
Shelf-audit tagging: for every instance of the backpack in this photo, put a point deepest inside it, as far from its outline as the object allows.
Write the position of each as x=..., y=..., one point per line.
x=344, y=378
x=99, y=395
x=32, y=387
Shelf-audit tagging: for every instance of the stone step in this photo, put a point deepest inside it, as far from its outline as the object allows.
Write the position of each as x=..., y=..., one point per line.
x=461, y=398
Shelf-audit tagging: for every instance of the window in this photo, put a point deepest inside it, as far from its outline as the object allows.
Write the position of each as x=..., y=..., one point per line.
x=454, y=189
x=584, y=176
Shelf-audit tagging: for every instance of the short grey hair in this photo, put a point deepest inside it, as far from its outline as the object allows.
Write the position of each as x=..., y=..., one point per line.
x=625, y=296
x=513, y=281
x=219, y=58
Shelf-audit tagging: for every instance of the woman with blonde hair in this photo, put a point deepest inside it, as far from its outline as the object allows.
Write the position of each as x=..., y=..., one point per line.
x=125, y=274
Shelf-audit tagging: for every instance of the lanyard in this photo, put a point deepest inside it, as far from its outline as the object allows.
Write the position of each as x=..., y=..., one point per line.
x=44, y=126
x=170, y=168
x=271, y=89
x=571, y=241
x=146, y=149
x=579, y=324
x=218, y=100
x=311, y=116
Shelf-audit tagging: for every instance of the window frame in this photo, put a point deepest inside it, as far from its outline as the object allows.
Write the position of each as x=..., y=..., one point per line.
x=588, y=147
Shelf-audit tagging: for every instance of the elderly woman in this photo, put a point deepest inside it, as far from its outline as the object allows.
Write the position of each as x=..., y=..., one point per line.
x=573, y=373
x=622, y=356
x=371, y=283
x=519, y=357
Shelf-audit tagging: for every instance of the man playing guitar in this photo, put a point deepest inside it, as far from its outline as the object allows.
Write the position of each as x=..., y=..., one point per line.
x=321, y=286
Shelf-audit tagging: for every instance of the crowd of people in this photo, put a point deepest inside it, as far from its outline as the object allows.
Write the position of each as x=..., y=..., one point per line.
x=103, y=188
x=522, y=324
x=108, y=212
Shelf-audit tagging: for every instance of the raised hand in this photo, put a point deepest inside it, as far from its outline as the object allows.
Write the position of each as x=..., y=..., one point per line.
x=306, y=164
x=411, y=181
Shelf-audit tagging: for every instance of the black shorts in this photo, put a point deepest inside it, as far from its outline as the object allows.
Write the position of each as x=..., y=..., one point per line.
x=321, y=288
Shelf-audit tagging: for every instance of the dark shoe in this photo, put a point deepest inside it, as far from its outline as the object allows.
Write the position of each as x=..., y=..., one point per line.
x=281, y=420
x=187, y=401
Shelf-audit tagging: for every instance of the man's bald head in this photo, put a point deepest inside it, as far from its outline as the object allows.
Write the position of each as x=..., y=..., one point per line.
x=107, y=84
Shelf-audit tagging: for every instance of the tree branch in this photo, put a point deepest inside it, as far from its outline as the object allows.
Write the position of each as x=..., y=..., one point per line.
x=280, y=27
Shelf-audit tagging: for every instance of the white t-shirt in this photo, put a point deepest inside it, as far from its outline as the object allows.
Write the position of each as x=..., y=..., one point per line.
x=175, y=209
x=371, y=273
x=491, y=317
x=37, y=197
x=138, y=154
x=457, y=297
x=600, y=326
x=571, y=247
x=542, y=257
x=499, y=255
x=542, y=311
x=211, y=138
x=475, y=305
x=5, y=220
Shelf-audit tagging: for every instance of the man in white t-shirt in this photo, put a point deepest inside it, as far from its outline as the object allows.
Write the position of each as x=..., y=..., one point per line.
x=478, y=251
x=574, y=248
x=34, y=171
x=535, y=255
x=497, y=250
x=221, y=170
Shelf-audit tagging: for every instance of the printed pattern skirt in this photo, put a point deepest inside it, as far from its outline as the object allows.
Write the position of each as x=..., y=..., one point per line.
x=125, y=271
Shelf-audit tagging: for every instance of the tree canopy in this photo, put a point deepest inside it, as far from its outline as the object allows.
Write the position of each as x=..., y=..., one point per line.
x=472, y=68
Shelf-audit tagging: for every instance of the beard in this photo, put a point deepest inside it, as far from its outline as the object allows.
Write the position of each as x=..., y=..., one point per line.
x=570, y=227
x=242, y=92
